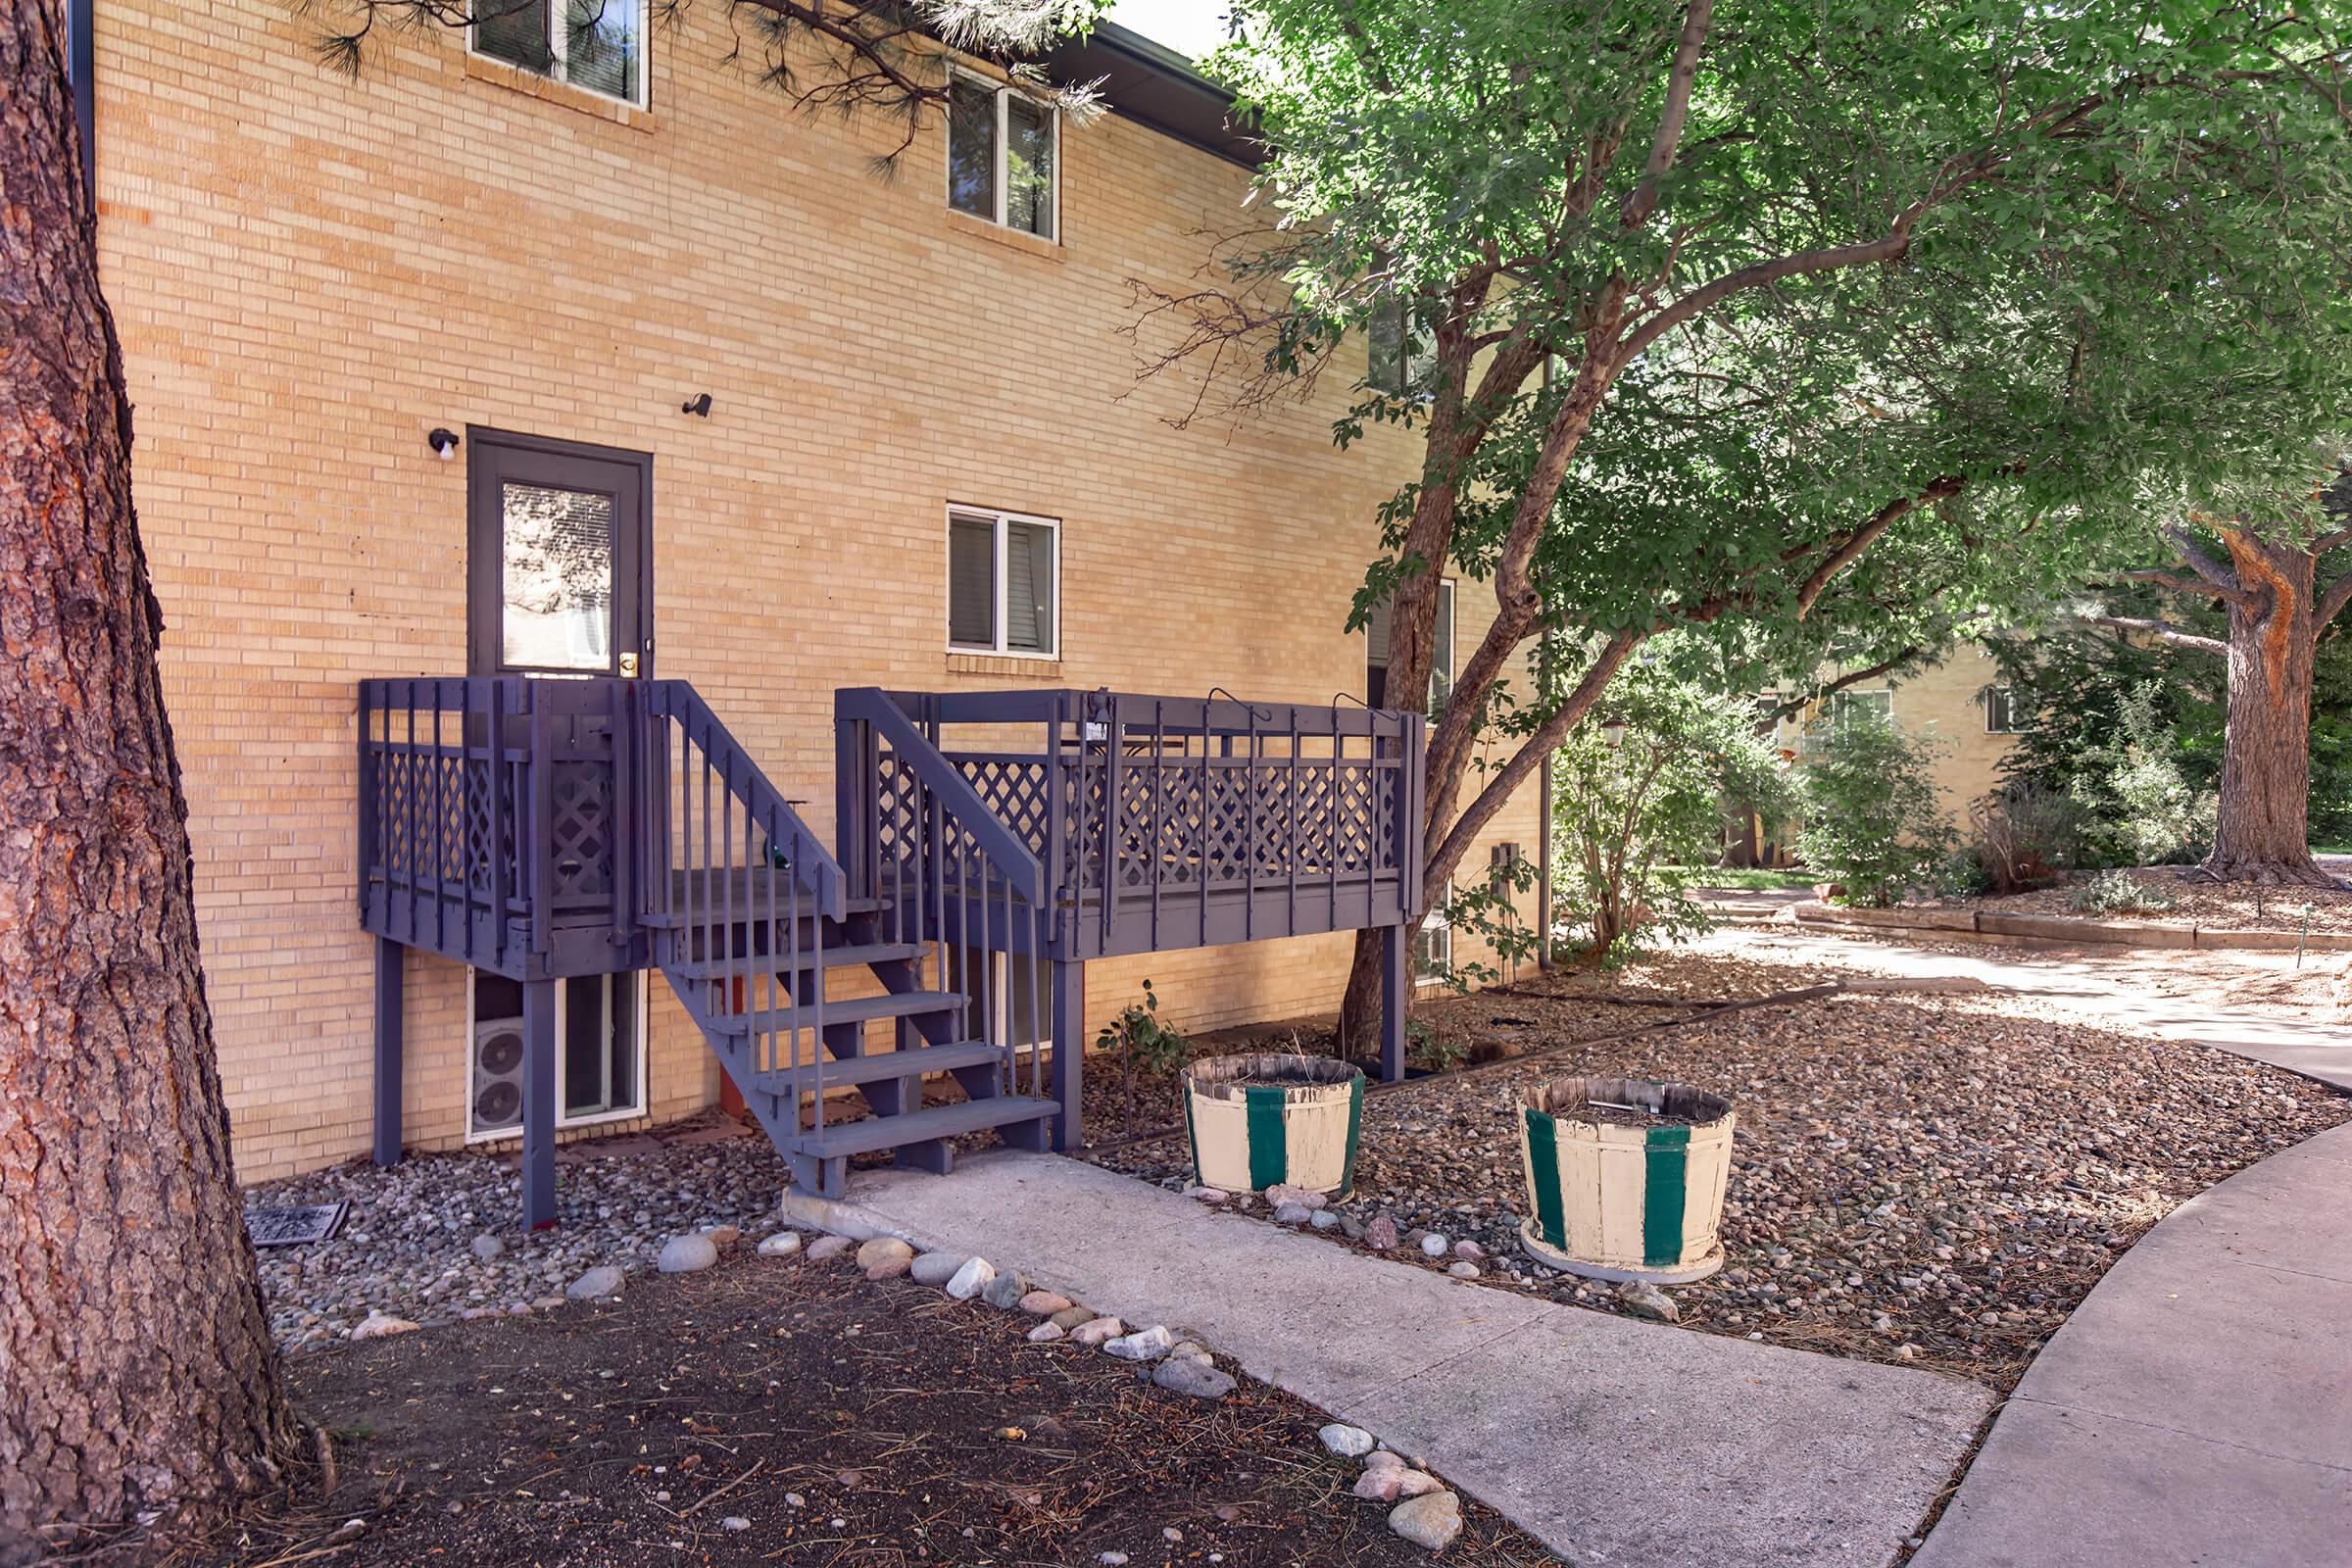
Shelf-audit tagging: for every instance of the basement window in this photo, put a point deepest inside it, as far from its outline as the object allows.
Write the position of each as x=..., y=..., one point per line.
x=594, y=44
x=1004, y=583
x=1003, y=156
x=600, y=1056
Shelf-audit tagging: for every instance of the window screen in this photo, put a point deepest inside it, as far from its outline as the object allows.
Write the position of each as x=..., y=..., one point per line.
x=973, y=581
x=1028, y=166
x=972, y=149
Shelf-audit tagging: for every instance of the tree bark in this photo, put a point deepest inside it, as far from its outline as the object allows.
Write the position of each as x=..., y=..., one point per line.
x=137, y=1378
x=2263, y=832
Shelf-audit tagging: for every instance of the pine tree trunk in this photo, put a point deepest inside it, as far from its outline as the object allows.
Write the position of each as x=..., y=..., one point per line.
x=2262, y=834
x=137, y=1379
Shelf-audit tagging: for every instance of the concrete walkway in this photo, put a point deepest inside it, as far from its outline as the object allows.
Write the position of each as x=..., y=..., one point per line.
x=2198, y=1406
x=2099, y=987
x=1614, y=1442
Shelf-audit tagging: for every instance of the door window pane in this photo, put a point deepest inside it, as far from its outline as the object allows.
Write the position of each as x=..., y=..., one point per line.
x=557, y=576
x=972, y=149
x=1028, y=166
x=972, y=582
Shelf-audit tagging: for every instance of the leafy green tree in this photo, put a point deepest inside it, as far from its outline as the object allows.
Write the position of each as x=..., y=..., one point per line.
x=1873, y=822
x=1964, y=214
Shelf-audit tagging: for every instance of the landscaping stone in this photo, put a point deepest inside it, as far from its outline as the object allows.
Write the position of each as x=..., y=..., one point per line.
x=1414, y=1483
x=935, y=1269
x=1208, y=1195
x=723, y=1237
x=825, y=1248
x=1380, y=1484
x=488, y=1247
x=1468, y=1250
x=784, y=1244
x=604, y=1279
x=1005, y=1290
x=1097, y=1330
x=1381, y=1233
x=1463, y=1270
x=1323, y=1219
x=1432, y=1520
x=1384, y=1460
x=1292, y=1214
x=1434, y=1244
x=971, y=1279
x=1144, y=1344
x=1347, y=1441
x=1069, y=1317
x=884, y=1251
x=380, y=1325
x=1193, y=1349
x=1305, y=1196
x=1046, y=1333
x=1044, y=1303
x=687, y=1255
x=1181, y=1374
x=1644, y=1300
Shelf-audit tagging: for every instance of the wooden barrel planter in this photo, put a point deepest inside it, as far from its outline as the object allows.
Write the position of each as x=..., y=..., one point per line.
x=1624, y=1178
x=1267, y=1121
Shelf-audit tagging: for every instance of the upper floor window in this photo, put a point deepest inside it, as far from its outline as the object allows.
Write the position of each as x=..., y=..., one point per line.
x=1404, y=349
x=1440, y=654
x=2000, y=711
x=595, y=44
x=1004, y=576
x=1003, y=156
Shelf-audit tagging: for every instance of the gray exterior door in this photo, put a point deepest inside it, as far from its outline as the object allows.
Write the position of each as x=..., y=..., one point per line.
x=559, y=557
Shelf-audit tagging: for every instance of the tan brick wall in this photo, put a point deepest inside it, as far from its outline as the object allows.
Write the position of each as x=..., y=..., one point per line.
x=1946, y=701
x=310, y=272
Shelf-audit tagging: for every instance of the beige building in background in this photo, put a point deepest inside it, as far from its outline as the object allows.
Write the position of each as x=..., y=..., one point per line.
x=1958, y=702
x=313, y=273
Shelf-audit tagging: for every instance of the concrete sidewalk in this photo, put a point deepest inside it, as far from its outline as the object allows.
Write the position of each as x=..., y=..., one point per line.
x=2198, y=1406
x=2098, y=988
x=1614, y=1442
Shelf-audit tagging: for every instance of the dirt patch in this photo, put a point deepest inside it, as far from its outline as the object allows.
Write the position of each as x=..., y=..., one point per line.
x=910, y=1428
x=2197, y=900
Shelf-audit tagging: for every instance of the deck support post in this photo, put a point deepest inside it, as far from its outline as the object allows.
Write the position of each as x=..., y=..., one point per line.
x=388, y=1042
x=1395, y=987
x=1069, y=1053
x=538, y=1104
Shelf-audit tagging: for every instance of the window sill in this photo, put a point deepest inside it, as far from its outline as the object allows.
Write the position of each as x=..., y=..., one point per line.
x=1045, y=250
x=1030, y=668
x=561, y=94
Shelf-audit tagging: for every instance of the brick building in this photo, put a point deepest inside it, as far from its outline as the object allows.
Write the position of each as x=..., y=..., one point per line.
x=863, y=431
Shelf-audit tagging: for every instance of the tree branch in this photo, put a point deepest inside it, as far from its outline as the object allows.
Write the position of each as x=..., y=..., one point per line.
x=2182, y=585
x=2164, y=631
x=1770, y=720
x=1865, y=536
x=2330, y=603
x=1642, y=199
x=2205, y=567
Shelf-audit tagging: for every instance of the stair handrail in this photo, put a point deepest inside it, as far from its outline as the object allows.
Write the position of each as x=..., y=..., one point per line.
x=871, y=706
x=812, y=862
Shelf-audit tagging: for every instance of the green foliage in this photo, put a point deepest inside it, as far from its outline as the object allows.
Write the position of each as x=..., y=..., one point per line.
x=1872, y=819
x=1638, y=798
x=1428, y=1051
x=1142, y=1040
x=2118, y=891
x=2024, y=834
x=2137, y=788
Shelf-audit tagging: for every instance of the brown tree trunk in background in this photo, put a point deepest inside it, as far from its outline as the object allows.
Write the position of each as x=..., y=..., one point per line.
x=137, y=1379
x=2262, y=834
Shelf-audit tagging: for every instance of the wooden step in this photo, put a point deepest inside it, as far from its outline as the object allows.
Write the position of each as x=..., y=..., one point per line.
x=880, y=1065
x=678, y=920
x=840, y=958
x=858, y=1009
x=920, y=1126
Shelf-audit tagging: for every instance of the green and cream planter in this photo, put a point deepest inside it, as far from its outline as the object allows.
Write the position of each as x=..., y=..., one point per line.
x=1267, y=1121
x=1625, y=1203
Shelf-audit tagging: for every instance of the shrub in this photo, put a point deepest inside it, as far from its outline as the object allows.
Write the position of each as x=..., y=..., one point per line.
x=2137, y=794
x=1638, y=797
x=2023, y=834
x=1142, y=1042
x=1872, y=820
x=2119, y=893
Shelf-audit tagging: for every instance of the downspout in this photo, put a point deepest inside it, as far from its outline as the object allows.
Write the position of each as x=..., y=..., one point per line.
x=80, y=65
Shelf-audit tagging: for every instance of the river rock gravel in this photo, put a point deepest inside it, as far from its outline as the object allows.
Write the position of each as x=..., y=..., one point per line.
x=1934, y=1180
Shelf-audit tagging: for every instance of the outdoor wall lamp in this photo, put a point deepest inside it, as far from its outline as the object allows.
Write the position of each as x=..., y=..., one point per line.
x=699, y=405
x=444, y=443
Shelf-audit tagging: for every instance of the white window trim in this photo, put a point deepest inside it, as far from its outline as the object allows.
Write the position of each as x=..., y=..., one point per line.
x=559, y=45
x=1004, y=191
x=2008, y=694
x=1000, y=623
x=1449, y=603
x=1440, y=930
x=564, y=1123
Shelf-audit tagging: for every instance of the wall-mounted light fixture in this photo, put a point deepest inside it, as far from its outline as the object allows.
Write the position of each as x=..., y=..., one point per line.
x=699, y=405
x=444, y=443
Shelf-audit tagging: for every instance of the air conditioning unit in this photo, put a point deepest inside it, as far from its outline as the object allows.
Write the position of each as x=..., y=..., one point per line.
x=496, y=1105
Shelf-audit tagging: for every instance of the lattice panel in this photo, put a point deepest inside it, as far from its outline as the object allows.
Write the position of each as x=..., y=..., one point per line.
x=581, y=832
x=1017, y=795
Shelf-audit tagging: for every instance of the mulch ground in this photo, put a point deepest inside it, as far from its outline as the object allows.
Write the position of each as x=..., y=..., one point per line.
x=682, y=1422
x=2199, y=901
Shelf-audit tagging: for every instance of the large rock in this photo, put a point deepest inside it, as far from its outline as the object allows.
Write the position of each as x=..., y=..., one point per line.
x=1047, y=1331
x=1430, y=1520
x=1435, y=1244
x=971, y=1279
x=381, y=1325
x=1004, y=1292
x=935, y=1269
x=784, y=1244
x=1349, y=1442
x=602, y=1280
x=1144, y=1344
x=884, y=1249
x=1305, y=1196
x=1646, y=1299
x=1381, y=1233
x=1182, y=1374
x=825, y=1248
x=687, y=1255
x=1044, y=1303
x=1069, y=1317
x=1097, y=1330
x=1292, y=1214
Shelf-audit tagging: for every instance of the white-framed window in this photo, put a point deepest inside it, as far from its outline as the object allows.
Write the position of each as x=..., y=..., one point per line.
x=1004, y=583
x=2000, y=711
x=1003, y=156
x=1440, y=654
x=600, y=1052
x=1433, y=944
x=594, y=44
x=1403, y=349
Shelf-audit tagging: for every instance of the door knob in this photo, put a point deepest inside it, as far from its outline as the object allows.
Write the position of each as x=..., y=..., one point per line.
x=628, y=665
